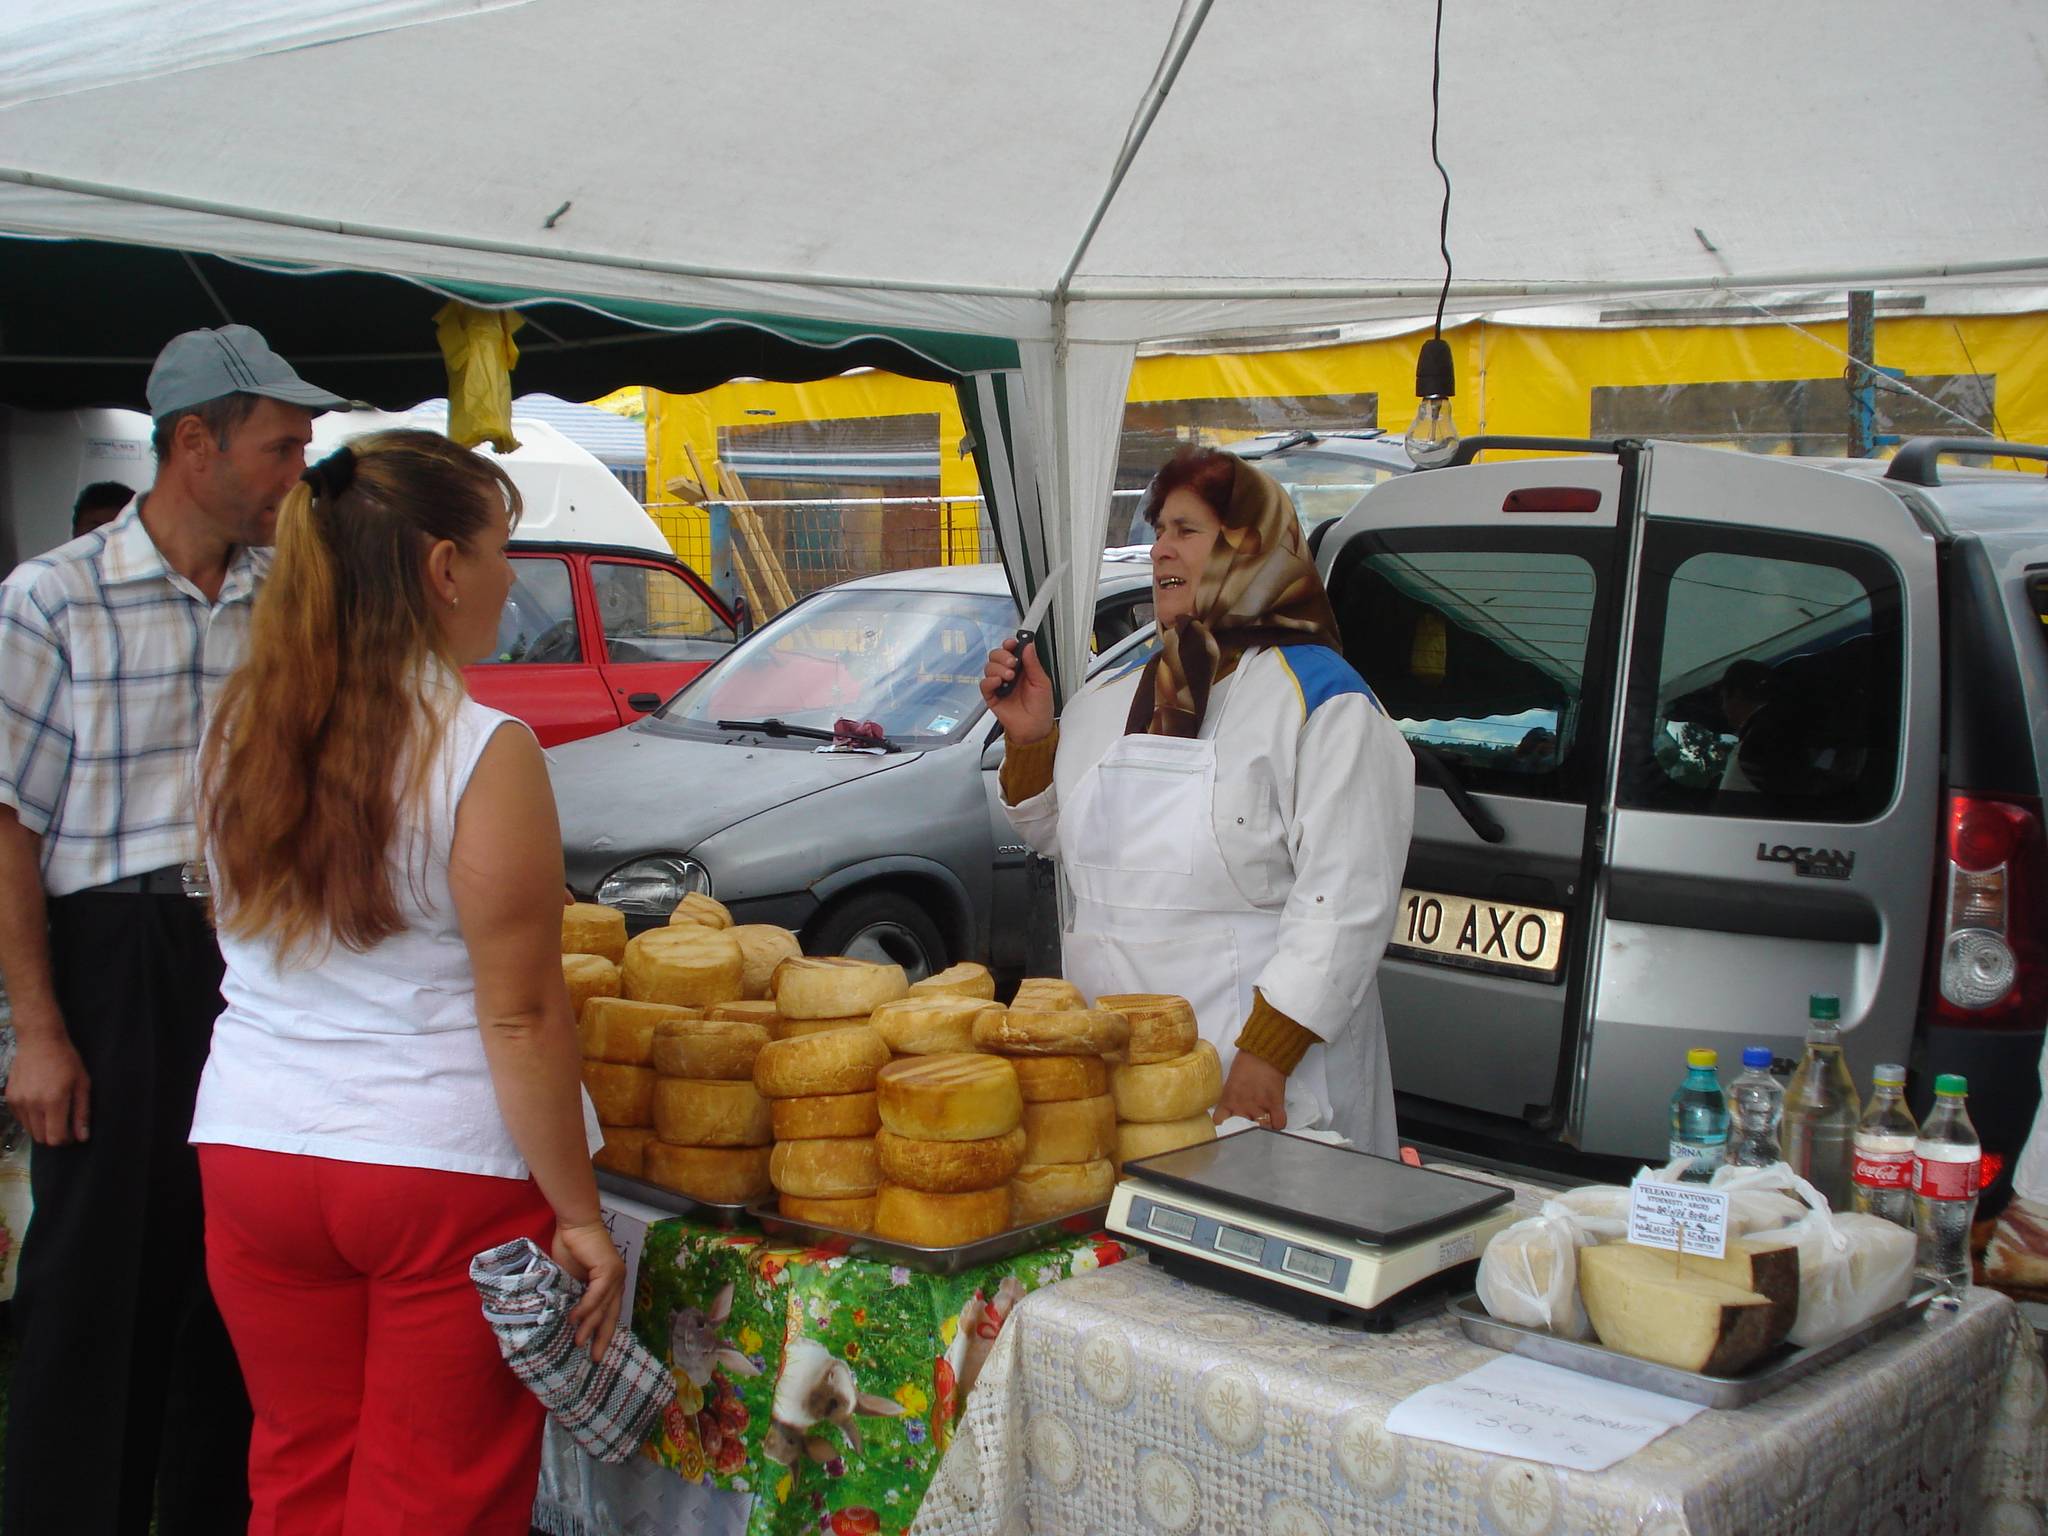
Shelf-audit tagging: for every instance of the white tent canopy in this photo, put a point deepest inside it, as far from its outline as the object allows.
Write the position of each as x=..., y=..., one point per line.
x=1021, y=171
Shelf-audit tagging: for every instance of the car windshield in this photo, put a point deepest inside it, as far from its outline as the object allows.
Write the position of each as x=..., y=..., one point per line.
x=910, y=661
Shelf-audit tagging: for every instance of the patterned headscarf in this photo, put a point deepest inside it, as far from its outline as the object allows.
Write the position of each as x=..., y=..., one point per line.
x=1260, y=589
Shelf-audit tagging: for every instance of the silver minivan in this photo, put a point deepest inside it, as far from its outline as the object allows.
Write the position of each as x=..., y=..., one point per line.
x=1701, y=733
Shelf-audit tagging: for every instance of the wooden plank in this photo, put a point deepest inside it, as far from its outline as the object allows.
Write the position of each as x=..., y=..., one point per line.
x=739, y=565
x=772, y=573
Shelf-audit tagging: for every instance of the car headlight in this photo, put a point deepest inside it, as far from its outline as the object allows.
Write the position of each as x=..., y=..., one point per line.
x=653, y=887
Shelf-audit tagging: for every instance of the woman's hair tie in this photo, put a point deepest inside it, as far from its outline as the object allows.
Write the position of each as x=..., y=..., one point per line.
x=332, y=475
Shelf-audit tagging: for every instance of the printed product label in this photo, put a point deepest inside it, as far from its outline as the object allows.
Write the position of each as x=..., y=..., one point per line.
x=1945, y=1181
x=1885, y=1170
x=1704, y=1159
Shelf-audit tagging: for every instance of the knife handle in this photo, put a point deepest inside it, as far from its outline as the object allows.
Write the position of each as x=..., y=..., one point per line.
x=1009, y=685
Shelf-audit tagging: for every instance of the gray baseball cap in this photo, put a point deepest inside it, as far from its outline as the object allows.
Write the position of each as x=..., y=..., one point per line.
x=235, y=360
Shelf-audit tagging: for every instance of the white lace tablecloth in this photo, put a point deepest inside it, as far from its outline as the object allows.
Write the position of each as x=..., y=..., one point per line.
x=1127, y=1402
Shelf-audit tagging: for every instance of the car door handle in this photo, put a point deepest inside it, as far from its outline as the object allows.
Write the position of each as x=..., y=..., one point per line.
x=644, y=702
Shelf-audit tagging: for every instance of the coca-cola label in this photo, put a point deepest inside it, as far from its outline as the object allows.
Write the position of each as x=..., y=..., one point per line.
x=1945, y=1181
x=1884, y=1170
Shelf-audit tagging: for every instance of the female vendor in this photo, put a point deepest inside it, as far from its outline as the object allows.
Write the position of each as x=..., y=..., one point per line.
x=1232, y=815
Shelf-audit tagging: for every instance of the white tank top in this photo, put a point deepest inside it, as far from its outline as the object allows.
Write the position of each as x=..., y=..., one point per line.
x=372, y=1057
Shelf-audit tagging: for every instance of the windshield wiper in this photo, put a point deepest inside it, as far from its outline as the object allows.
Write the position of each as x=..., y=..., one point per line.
x=778, y=728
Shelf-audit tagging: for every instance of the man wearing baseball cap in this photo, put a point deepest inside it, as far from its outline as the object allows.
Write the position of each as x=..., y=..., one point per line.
x=112, y=648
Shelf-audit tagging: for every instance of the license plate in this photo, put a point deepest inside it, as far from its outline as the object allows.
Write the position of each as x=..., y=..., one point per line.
x=1479, y=935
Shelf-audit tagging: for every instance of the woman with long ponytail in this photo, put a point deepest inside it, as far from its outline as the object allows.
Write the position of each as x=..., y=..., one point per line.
x=393, y=1085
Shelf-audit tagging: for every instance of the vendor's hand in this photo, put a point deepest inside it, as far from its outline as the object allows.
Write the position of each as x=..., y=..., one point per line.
x=1026, y=715
x=586, y=1251
x=48, y=1088
x=1255, y=1089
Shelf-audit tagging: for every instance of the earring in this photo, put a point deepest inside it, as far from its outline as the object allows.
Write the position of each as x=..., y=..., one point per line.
x=455, y=601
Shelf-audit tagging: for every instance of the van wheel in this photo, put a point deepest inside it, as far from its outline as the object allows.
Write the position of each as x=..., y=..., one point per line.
x=884, y=927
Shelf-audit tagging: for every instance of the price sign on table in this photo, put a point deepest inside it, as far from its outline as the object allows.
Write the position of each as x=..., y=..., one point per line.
x=1672, y=1216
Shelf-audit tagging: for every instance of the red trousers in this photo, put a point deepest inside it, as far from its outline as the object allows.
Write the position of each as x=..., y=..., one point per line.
x=383, y=1407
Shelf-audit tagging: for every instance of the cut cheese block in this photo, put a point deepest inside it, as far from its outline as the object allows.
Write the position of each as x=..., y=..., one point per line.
x=824, y=1115
x=836, y=1168
x=927, y=1220
x=1162, y=1026
x=747, y=1010
x=855, y=1215
x=832, y=1061
x=949, y=1167
x=1768, y=1267
x=786, y=1029
x=1688, y=1318
x=929, y=1025
x=699, y=910
x=589, y=929
x=1169, y=1090
x=1046, y=993
x=624, y=1150
x=833, y=987
x=1136, y=1141
x=763, y=946
x=688, y=1113
x=1046, y=1079
x=1070, y=1130
x=1050, y=1031
x=588, y=976
x=690, y=965
x=1053, y=1189
x=967, y=979
x=709, y=1049
x=949, y=1098
x=622, y=1095
x=721, y=1175
x=619, y=1029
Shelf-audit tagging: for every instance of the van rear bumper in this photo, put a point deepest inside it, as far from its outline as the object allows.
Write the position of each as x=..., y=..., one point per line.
x=2003, y=1068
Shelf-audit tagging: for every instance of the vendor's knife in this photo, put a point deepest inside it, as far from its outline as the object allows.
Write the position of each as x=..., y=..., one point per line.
x=1027, y=629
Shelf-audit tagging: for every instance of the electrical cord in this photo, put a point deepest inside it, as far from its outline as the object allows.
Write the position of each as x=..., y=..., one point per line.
x=1443, y=228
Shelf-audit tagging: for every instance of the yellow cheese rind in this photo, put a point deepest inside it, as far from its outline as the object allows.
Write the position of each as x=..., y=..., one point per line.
x=967, y=979
x=1162, y=1025
x=1046, y=1190
x=855, y=1215
x=1070, y=1130
x=834, y=987
x=622, y=1030
x=624, y=1150
x=721, y=1175
x=825, y=1115
x=831, y=1061
x=699, y=910
x=622, y=1095
x=1134, y=1141
x=838, y=1168
x=588, y=976
x=927, y=1220
x=949, y=1098
x=789, y=1029
x=1047, y=994
x=1050, y=1079
x=687, y=964
x=763, y=946
x=709, y=1049
x=1050, y=1031
x=1645, y=1302
x=949, y=1167
x=747, y=1010
x=929, y=1025
x=690, y=1113
x=590, y=929
x=1169, y=1090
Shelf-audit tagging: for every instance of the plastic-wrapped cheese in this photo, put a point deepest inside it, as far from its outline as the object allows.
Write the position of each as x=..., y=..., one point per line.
x=708, y=1049
x=1044, y=1190
x=763, y=946
x=1169, y=1090
x=949, y=1167
x=721, y=1175
x=687, y=964
x=1070, y=1130
x=588, y=976
x=621, y=1030
x=929, y=1220
x=688, y=1113
x=590, y=929
x=1047, y=993
x=1044, y=1079
x=625, y=1150
x=834, y=987
x=701, y=911
x=852, y=1215
x=967, y=979
x=1134, y=1140
x=833, y=1061
x=949, y=1098
x=1162, y=1026
x=929, y=1025
x=622, y=1095
x=836, y=1168
x=1050, y=1031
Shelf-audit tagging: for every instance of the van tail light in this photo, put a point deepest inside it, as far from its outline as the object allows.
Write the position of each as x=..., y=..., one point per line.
x=1991, y=961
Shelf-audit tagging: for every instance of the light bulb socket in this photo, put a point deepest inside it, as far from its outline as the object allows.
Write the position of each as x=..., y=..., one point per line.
x=1435, y=377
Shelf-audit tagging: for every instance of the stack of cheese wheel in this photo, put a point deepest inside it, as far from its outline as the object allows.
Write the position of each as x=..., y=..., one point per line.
x=966, y=979
x=1168, y=1081
x=712, y=1126
x=620, y=1084
x=617, y=1038
x=1068, y=1118
x=1047, y=994
x=590, y=929
x=930, y=1023
x=821, y=1091
x=816, y=993
x=689, y=964
x=763, y=947
x=952, y=1138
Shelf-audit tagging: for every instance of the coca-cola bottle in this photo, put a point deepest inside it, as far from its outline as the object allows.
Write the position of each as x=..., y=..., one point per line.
x=1883, y=1165
x=1947, y=1163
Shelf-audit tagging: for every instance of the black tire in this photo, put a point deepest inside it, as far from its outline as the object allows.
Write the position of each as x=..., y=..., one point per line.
x=883, y=926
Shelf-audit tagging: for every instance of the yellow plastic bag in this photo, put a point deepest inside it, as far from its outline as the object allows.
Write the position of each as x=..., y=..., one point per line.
x=477, y=346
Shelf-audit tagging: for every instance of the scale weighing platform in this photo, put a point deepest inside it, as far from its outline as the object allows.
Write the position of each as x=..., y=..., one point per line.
x=1323, y=1232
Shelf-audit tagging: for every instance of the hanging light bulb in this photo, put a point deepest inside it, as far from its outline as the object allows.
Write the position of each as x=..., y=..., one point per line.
x=1433, y=435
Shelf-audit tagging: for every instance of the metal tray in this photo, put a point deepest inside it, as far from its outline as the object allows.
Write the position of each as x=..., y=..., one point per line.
x=710, y=1212
x=1781, y=1369
x=936, y=1261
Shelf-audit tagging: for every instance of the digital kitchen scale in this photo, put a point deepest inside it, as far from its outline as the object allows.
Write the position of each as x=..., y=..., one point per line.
x=1324, y=1232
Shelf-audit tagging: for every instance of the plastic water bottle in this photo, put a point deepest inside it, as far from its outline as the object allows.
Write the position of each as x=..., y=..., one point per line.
x=1821, y=1106
x=1699, y=1117
x=1947, y=1164
x=1756, y=1103
x=1883, y=1166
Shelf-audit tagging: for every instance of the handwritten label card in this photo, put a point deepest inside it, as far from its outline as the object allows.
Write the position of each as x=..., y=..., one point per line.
x=627, y=1220
x=1537, y=1412
x=1658, y=1212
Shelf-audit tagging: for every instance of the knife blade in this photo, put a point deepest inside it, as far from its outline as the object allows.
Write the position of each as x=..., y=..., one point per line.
x=1027, y=627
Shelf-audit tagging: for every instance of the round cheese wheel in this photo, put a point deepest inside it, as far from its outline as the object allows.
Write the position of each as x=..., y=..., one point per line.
x=1134, y=1141
x=824, y=1115
x=588, y=976
x=619, y=1029
x=688, y=964
x=929, y=1025
x=1070, y=1130
x=949, y=1167
x=763, y=946
x=689, y=1113
x=709, y=1049
x=854, y=1215
x=624, y=1150
x=622, y=1095
x=1169, y=1090
x=1047, y=993
x=1044, y=1079
x=967, y=979
x=785, y=1029
x=928, y=1220
x=833, y=987
x=747, y=1010
x=1050, y=1032
x=1162, y=1026
x=1041, y=1191
x=949, y=1098
x=701, y=911
x=833, y=1168
x=589, y=929
x=720, y=1175
x=831, y=1061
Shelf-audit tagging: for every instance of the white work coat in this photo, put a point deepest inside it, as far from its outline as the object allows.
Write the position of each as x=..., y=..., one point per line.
x=1267, y=853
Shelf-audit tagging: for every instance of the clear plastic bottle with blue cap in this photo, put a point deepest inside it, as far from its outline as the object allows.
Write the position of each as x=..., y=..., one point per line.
x=1756, y=1103
x=1699, y=1117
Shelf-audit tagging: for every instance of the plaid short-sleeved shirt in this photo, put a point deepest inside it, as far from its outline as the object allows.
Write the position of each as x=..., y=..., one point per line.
x=109, y=663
